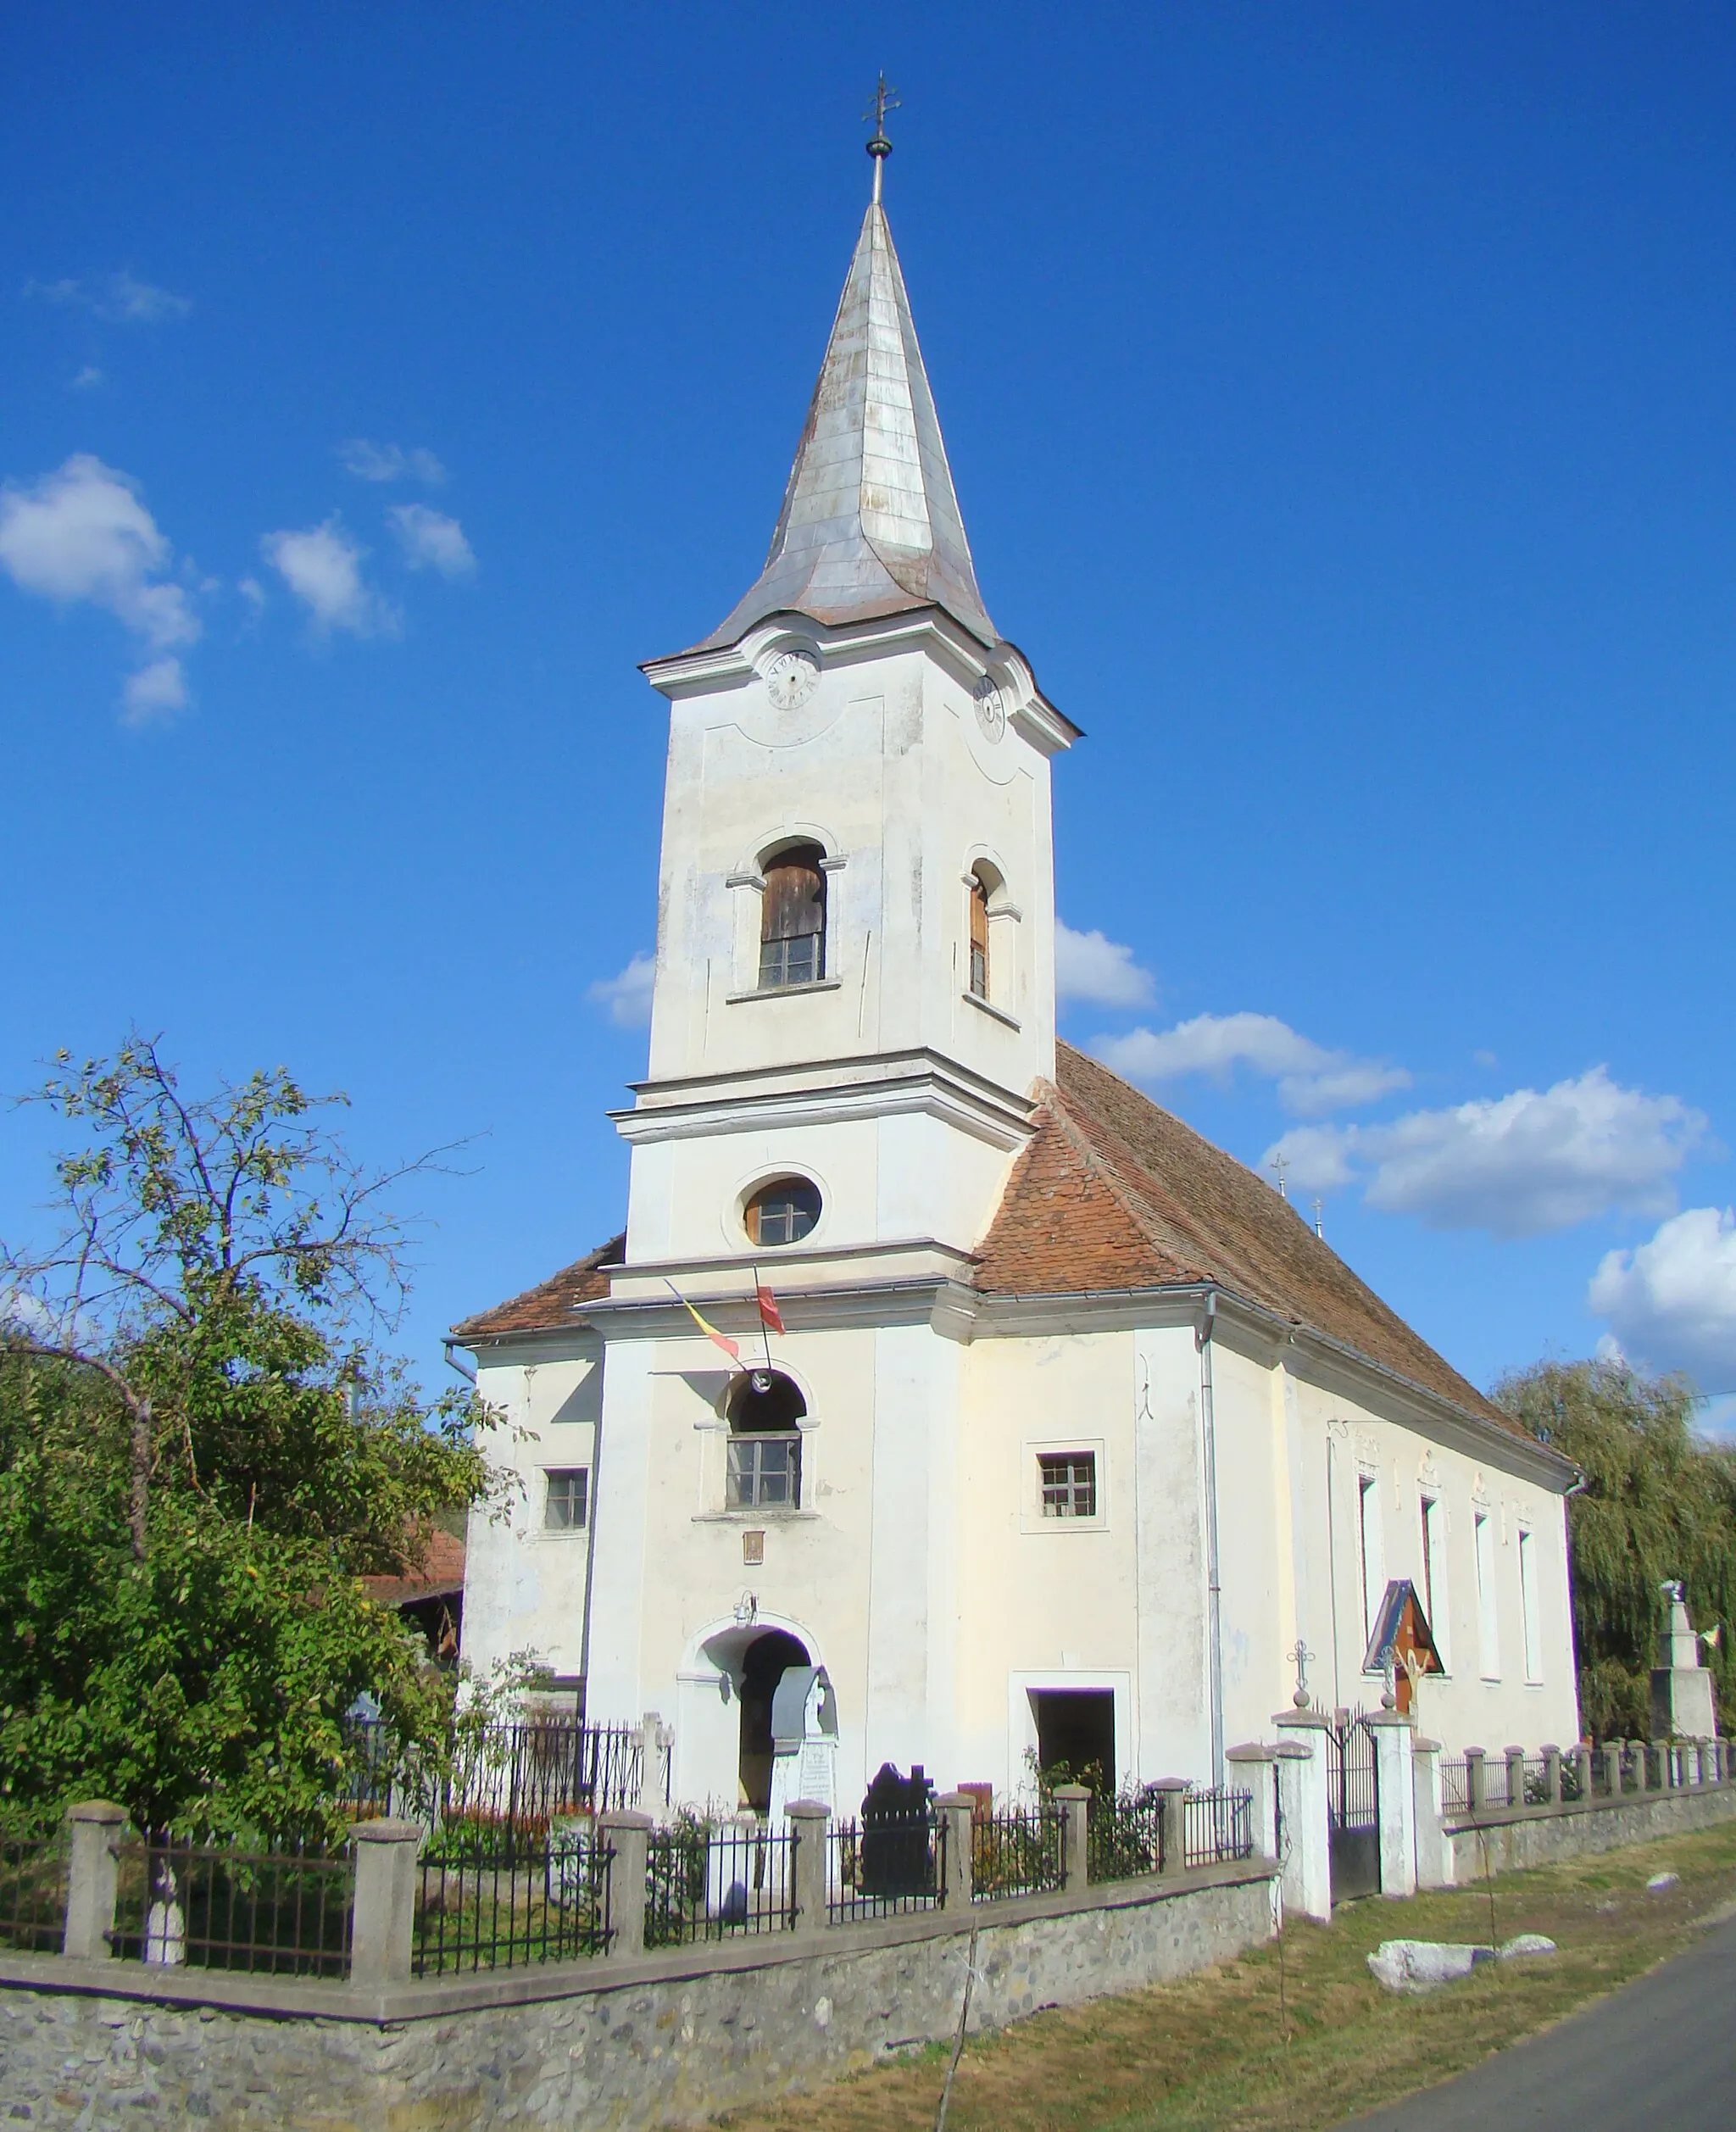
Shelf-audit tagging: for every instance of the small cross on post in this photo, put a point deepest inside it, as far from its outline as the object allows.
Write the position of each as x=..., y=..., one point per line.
x=1281, y=1163
x=882, y=100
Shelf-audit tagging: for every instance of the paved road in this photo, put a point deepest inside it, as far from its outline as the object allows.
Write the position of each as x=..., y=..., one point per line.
x=1660, y=2051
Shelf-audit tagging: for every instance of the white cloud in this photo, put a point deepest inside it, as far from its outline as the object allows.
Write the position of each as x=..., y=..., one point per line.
x=432, y=540
x=1671, y=1303
x=627, y=998
x=83, y=534
x=88, y=379
x=322, y=566
x=252, y=592
x=155, y=694
x=122, y=299
x=371, y=462
x=1517, y=1165
x=1310, y=1078
x=1089, y=966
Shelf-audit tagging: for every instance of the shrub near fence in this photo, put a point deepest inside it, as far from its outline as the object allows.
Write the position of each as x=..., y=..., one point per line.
x=1124, y=1836
x=1017, y=1853
x=495, y=1894
x=279, y=1913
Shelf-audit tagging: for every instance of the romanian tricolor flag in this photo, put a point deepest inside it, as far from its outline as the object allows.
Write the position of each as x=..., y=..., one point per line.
x=711, y=1332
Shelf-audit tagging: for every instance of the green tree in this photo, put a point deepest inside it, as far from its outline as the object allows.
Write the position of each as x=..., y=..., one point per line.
x=1659, y=1502
x=203, y=1452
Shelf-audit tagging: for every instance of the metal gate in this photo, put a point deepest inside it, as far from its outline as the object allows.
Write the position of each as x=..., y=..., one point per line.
x=1352, y=1807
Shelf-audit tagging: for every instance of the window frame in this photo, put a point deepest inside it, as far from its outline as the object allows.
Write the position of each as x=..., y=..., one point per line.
x=1051, y=1492
x=752, y=1470
x=790, y=958
x=551, y=1475
x=978, y=978
x=1488, y=1615
x=1530, y=1602
x=1437, y=1584
x=752, y=1211
x=1370, y=1550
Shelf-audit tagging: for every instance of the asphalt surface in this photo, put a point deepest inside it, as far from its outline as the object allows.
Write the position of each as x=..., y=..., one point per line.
x=1661, y=2052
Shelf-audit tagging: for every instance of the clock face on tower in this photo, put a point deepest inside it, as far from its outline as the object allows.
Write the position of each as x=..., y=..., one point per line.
x=791, y=678
x=991, y=710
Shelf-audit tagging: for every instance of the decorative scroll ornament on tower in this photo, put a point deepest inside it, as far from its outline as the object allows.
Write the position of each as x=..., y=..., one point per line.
x=870, y=523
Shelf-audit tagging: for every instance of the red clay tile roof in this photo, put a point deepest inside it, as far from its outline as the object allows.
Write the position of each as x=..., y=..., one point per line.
x=552, y=1302
x=442, y=1570
x=1114, y=1193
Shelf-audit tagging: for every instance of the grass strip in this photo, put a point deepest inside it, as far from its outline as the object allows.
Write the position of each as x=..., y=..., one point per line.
x=1211, y=2054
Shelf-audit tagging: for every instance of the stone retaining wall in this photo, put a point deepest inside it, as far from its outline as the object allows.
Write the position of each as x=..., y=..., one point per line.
x=1539, y=1835
x=670, y=2040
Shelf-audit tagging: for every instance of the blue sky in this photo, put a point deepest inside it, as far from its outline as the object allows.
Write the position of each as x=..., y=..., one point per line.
x=1341, y=405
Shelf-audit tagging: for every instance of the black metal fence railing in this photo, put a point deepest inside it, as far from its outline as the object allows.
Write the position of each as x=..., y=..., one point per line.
x=889, y=1866
x=1455, y=1785
x=1016, y=1853
x=33, y=1895
x=279, y=1912
x=1124, y=1837
x=496, y=1894
x=1217, y=1827
x=539, y=1770
x=705, y=1881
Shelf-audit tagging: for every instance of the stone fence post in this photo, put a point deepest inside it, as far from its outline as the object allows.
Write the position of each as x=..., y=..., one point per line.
x=1256, y=1768
x=1475, y=1781
x=1172, y=1816
x=1515, y=1759
x=627, y=1835
x=958, y=1810
x=1581, y=1762
x=1075, y=1803
x=1434, y=1854
x=1302, y=1806
x=95, y=1869
x=1552, y=1774
x=809, y=1819
x=383, y=1922
x=1395, y=1787
x=653, y=1791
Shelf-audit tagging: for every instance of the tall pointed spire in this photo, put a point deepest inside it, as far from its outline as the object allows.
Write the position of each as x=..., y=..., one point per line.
x=870, y=524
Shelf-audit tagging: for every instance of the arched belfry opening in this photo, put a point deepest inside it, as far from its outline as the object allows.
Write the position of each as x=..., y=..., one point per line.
x=764, y=1664
x=765, y=1411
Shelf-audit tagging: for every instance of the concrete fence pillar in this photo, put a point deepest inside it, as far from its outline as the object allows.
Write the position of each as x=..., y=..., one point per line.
x=1475, y=1781
x=1254, y=1768
x=809, y=1819
x=1581, y=1762
x=1075, y=1803
x=654, y=1788
x=383, y=1922
x=1395, y=1789
x=1612, y=1766
x=1721, y=1761
x=1552, y=1774
x=1173, y=1822
x=957, y=1811
x=1434, y=1854
x=1306, y=1850
x=1515, y=1759
x=94, y=1868
x=627, y=1837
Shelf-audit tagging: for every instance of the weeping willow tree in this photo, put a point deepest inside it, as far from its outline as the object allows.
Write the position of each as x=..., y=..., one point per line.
x=1658, y=1501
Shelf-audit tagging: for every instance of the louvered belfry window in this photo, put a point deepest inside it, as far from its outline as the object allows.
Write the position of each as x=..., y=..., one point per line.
x=792, y=929
x=979, y=935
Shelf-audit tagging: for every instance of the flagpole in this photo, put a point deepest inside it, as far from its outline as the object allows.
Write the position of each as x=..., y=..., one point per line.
x=764, y=1329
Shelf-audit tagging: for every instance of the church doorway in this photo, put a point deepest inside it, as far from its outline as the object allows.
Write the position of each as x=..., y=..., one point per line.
x=1076, y=1730
x=764, y=1663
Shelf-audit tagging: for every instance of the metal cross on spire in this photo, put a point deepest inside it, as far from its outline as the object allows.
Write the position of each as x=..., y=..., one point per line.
x=1280, y=1163
x=882, y=100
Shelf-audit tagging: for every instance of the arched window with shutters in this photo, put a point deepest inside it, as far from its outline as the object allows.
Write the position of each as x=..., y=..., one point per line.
x=792, y=923
x=979, y=935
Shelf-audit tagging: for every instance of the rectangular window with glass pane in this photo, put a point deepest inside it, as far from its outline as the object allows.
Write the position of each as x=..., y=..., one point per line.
x=786, y=962
x=764, y=1472
x=564, y=1505
x=1069, y=1483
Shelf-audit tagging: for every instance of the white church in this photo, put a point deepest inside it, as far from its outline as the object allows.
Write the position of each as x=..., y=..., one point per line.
x=1061, y=1431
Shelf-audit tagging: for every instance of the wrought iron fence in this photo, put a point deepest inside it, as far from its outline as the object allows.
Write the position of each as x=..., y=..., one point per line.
x=1573, y=1790
x=494, y=1893
x=1125, y=1836
x=891, y=1864
x=1016, y=1853
x=206, y=1905
x=1455, y=1785
x=33, y=1895
x=710, y=1880
x=1217, y=1826
x=537, y=1770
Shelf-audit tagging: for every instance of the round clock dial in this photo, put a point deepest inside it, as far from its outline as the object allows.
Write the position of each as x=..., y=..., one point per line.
x=991, y=708
x=791, y=678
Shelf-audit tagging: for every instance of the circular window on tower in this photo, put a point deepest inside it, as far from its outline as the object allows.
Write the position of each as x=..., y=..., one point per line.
x=783, y=1211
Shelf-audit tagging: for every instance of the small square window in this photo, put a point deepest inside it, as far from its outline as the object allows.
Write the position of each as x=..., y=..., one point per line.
x=567, y=1501
x=764, y=1472
x=1069, y=1483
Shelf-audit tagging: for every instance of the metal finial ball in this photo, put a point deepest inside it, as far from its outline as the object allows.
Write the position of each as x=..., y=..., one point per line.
x=880, y=145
